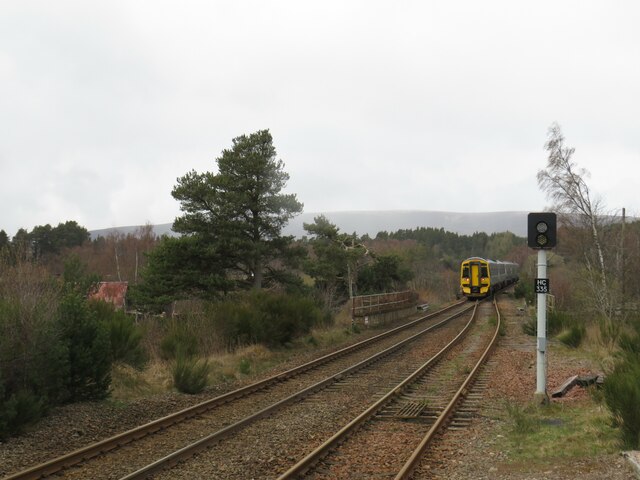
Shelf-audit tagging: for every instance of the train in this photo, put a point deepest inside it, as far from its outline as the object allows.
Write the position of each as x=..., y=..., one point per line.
x=480, y=277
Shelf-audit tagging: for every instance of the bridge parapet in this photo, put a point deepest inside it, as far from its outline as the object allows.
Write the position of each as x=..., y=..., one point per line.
x=374, y=305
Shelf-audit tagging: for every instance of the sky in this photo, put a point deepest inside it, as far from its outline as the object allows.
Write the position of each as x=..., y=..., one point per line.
x=373, y=105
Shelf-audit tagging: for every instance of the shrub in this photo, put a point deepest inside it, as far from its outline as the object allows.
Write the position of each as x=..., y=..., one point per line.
x=124, y=336
x=610, y=331
x=33, y=358
x=89, y=349
x=272, y=319
x=530, y=327
x=572, y=336
x=524, y=421
x=622, y=395
x=190, y=375
x=244, y=366
x=557, y=321
x=524, y=289
x=21, y=408
x=178, y=342
x=622, y=390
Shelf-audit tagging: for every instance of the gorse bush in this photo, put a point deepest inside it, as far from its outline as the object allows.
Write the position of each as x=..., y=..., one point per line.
x=524, y=289
x=273, y=319
x=622, y=388
x=572, y=337
x=89, y=349
x=179, y=341
x=557, y=321
x=622, y=395
x=124, y=336
x=33, y=358
x=189, y=374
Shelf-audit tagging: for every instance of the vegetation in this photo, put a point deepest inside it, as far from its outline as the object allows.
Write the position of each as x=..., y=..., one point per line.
x=272, y=319
x=572, y=337
x=535, y=432
x=189, y=374
x=232, y=284
x=179, y=342
x=125, y=337
x=622, y=389
x=88, y=351
x=238, y=213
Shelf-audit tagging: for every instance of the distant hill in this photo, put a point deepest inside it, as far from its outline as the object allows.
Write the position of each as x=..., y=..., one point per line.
x=372, y=222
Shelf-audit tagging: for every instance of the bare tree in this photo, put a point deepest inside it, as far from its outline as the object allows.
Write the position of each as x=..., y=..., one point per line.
x=564, y=183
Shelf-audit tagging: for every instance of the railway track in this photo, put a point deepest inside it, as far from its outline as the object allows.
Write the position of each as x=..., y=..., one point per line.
x=228, y=413
x=390, y=438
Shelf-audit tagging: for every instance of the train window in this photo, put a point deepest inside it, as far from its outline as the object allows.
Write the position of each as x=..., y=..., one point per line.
x=465, y=271
x=484, y=272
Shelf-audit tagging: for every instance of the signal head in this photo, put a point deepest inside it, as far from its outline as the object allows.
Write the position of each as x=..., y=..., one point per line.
x=541, y=230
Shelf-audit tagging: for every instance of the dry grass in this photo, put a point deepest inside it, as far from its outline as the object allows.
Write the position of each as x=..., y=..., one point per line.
x=127, y=383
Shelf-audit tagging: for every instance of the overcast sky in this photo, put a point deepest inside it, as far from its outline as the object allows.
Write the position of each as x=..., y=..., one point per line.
x=412, y=105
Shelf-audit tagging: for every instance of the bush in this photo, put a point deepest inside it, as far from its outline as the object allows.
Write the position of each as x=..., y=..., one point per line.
x=89, y=349
x=572, y=336
x=610, y=331
x=272, y=319
x=622, y=395
x=21, y=408
x=33, y=358
x=244, y=366
x=524, y=289
x=524, y=420
x=557, y=321
x=124, y=336
x=530, y=327
x=178, y=342
x=190, y=375
x=622, y=390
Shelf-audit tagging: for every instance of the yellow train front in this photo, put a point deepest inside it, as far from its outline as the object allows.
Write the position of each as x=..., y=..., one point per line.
x=480, y=277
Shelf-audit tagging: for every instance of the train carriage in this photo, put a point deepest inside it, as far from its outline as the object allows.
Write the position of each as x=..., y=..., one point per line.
x=480, y=277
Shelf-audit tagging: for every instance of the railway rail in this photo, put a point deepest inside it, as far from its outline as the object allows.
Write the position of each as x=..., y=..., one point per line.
x=259, y=409
x=409, y=414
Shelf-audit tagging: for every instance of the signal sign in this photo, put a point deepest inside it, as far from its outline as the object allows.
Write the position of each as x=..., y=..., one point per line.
x=541, y=230
x=542, y=285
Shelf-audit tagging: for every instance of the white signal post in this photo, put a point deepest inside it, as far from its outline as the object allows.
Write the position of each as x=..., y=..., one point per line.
x=541, y=368
x=541, y=235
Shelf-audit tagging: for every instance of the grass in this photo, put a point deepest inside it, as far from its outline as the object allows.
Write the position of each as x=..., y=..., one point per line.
x=558, y=431
x=128, y=383
x=493, y=320
x=224, y=367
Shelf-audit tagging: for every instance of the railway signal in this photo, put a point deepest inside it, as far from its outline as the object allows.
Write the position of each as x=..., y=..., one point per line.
x=541, y=235
x=541, y=230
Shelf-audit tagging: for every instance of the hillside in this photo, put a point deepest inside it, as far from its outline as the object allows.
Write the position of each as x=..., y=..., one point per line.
x=372, y=222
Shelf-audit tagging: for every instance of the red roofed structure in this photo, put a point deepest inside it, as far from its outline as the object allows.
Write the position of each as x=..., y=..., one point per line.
x=111, y=292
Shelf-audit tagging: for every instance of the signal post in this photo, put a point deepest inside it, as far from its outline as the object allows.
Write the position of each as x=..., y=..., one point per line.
x=541, y=235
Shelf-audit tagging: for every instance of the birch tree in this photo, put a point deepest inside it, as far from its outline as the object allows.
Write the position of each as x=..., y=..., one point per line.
x=565, y=184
